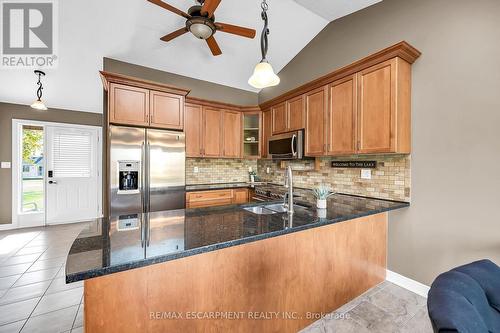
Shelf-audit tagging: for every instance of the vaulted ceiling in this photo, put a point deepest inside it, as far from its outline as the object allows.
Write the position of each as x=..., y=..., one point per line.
x=129, y=30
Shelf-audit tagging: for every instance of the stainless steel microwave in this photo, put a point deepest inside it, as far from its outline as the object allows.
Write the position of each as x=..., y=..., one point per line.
x=287, y=146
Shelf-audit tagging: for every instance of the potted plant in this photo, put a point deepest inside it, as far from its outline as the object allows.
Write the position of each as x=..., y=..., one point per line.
x=322, y=192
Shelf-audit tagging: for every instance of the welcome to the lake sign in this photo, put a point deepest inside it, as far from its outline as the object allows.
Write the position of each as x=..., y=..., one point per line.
x=354, y=164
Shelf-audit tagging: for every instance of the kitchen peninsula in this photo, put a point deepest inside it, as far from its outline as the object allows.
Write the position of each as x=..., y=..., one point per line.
x=227, y=259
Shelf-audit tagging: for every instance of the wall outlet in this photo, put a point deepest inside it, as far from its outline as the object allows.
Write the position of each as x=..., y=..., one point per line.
x=5, y=165
x=196, y=170
x=268, y=170
x=366, y=174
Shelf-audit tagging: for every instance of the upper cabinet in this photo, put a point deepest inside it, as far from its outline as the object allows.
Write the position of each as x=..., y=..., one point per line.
x=128, y=105
x=194, y=130
x=362, y=108
x=316, y=111
x=212, y=132
x=288, y=116
x=342, y=113
x=231, y=124
x=252, y=134
x=137, y=102
x=167, y=110
x=384, y=108
x=295, y=114
x=280, y=123
x=267, y=123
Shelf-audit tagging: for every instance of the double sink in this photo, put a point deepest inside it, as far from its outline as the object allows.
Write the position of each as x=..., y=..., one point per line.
x=270, y=209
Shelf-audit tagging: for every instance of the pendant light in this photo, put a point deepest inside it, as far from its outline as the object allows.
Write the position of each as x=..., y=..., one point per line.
x=263, y=74
x=38, y=104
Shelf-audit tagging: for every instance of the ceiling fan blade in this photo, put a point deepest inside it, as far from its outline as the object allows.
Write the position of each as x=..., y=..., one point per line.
x=235, y=30
x=209, y=7
x=172, y=35
x=170, y=8
x=214, y=47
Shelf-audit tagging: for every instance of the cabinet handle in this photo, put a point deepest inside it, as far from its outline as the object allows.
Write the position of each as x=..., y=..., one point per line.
x=359, y=145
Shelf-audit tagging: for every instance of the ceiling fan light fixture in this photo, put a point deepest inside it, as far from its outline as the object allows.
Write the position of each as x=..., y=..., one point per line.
x=263, y=76
x=201, y=28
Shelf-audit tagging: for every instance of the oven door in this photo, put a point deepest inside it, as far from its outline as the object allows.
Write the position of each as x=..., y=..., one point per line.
x=288, y=146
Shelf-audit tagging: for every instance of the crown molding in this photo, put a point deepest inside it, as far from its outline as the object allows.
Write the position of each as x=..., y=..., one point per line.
x=108, y=77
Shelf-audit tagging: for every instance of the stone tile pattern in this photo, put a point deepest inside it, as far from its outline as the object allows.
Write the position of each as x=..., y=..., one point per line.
x=34, y=296
x=386, y=308
x=218, y=170
x=390, y=180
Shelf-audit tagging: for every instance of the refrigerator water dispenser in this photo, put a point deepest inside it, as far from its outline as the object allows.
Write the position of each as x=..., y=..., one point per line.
x=128, y=177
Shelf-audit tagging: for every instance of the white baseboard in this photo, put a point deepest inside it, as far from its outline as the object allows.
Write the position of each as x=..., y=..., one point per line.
x=8, y=226
x=407, y=283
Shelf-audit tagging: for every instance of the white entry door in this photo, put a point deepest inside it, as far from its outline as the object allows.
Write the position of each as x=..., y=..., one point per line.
x=72, y=178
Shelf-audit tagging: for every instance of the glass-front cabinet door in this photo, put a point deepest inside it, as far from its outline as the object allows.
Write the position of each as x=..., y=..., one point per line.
x=251, y=134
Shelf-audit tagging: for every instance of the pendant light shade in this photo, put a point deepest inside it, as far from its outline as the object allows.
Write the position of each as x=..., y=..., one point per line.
x=263, y=76
x=38, y=104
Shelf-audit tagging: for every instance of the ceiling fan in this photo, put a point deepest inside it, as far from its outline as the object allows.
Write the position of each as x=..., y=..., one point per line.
x=200, y=21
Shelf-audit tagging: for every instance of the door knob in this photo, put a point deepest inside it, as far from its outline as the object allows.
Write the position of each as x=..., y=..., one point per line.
x=52, y=182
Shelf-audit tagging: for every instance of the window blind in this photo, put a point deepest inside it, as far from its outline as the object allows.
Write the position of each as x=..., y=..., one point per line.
x=72, y=155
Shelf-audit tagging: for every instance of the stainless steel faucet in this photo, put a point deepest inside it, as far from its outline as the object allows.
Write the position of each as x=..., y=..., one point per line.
x=288, y=199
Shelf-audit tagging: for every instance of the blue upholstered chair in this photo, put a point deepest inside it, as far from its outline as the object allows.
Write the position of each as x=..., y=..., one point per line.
x=466, y=299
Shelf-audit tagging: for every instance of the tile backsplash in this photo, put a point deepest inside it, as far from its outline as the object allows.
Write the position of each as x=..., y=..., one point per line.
x=218, y=170
x=390, y=180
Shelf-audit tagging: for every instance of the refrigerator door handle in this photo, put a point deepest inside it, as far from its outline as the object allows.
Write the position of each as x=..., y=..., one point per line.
x=143, y=176
x=148, y=177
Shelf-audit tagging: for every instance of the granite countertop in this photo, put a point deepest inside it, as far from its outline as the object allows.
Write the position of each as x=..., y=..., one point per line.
x=220, y=186
x=110, y=245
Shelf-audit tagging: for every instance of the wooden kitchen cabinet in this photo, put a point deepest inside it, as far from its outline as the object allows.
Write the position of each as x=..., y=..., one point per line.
x=279, y=115
x=252, y=134
x=342, y=115
x=384, y=108
x=295, y=114
x=194, y=130
x=133, y=102
x=209, y=198
x=316, y=115
x=288, y=116
x=212, y=132
x=240, y=196
x=166, y=110
x=128, y=105
x=216, y=198
x=231, y=132
x=267, y=123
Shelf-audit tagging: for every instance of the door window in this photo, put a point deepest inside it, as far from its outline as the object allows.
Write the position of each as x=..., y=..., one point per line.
x=32, y=193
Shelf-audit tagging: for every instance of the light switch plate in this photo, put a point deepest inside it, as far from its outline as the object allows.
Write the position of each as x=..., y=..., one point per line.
x=196, y=170
x=5, y=165
x=366, y=174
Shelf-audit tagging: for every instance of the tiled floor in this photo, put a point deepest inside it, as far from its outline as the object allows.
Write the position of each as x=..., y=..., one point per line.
x=35, y=298
x=385, y=308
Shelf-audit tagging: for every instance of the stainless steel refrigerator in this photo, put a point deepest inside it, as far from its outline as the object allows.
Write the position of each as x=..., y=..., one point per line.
x=147, y=170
